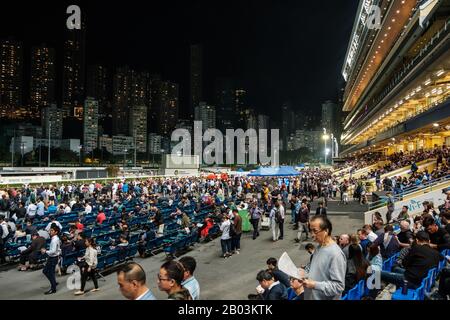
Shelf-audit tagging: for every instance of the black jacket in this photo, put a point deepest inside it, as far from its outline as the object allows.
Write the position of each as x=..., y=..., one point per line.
x=282, y=277
x=277, y=292
x=441, y=238
x=420, y=259
x=36, y=246
x=324, y=211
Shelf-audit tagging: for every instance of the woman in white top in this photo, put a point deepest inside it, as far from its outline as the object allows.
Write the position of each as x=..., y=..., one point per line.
x=88, y=266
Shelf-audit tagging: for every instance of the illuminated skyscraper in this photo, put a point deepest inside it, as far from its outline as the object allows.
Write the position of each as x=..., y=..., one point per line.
x=165, y=106
x=138, y=127
x=74, y=67
x=42, y=84
x=90, y=124
x=97, y=86
x=11, y=67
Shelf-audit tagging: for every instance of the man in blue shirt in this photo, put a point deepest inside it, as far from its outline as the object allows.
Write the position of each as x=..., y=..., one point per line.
x=40, y=208
x=189, y=281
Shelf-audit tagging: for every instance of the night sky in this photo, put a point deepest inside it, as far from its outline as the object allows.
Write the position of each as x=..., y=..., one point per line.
x=280, y=50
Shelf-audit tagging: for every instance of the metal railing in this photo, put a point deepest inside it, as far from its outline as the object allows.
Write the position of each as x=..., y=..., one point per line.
x=427, y=186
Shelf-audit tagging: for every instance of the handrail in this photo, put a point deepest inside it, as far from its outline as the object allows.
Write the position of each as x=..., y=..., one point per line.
x=409, y=190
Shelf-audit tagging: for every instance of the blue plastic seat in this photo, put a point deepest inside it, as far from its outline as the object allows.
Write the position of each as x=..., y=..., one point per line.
x=417, y=294
x=353, y=293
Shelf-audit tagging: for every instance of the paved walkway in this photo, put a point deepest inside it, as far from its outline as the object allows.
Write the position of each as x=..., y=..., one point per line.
x=219, y=278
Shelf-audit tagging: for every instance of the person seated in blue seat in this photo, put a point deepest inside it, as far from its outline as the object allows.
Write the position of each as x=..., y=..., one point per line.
x=143, y=240
x=66, y=245
x=296, y=291
x=32, y=253
x=388, y=242
x=419, y=260
x=53, y=221
x=122, y=246
x=356, y=267
x=78, y=242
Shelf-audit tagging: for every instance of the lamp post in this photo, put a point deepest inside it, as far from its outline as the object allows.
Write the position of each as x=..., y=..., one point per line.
x=22, y=149
x=124, y=157
x=81, y=149
x=49, y=133
x=325, y=137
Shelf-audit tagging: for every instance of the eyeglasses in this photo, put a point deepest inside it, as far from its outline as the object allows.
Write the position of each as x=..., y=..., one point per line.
x=162, y=279
x=315, y=231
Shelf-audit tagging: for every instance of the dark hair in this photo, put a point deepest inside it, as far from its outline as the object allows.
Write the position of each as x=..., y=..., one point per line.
x=309, y=246
x=90, y=240
x=361, y=264
x=388, y=228
x=55, y=228
x=264, y=275
x=422, y=236
x=175, y=270
x=428, y=221
x=325, y=223
x=373, y=250
x=272, y=262
x=189, y=264
x=133, y=271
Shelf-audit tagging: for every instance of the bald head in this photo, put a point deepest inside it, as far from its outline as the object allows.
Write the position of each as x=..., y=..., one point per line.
x=133, y=272
x=404, y=225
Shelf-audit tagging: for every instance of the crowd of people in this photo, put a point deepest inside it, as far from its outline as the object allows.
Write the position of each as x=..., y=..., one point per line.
x=337, y=262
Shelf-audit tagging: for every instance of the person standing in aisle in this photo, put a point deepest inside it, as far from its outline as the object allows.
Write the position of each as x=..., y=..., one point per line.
x=53, y=255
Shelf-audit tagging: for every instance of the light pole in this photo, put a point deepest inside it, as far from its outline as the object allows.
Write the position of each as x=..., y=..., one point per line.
x=49, y=134
x=325, y=137
x=81, y=148
x=13, y=149
x=135, y=148
x=124, y=157
x=22, y=149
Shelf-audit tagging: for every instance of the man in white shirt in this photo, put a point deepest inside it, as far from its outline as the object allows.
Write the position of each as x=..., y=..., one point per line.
x=53, y=254
x=40, y=208
x=31, y=210
x=53, y=221
x=67, y=209
x=88, y=208
x=4, y=235
x=372, y=236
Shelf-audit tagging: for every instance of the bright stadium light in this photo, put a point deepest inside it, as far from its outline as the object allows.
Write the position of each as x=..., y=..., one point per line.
x=440, y=72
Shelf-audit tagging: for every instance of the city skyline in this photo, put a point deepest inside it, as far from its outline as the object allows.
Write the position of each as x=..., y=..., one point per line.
x=171, y=55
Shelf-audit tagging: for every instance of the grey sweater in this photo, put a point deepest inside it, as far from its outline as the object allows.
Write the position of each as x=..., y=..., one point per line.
x=327, y=269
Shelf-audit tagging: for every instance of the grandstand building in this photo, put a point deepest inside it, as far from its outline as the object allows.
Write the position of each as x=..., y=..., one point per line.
x=397, y=94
